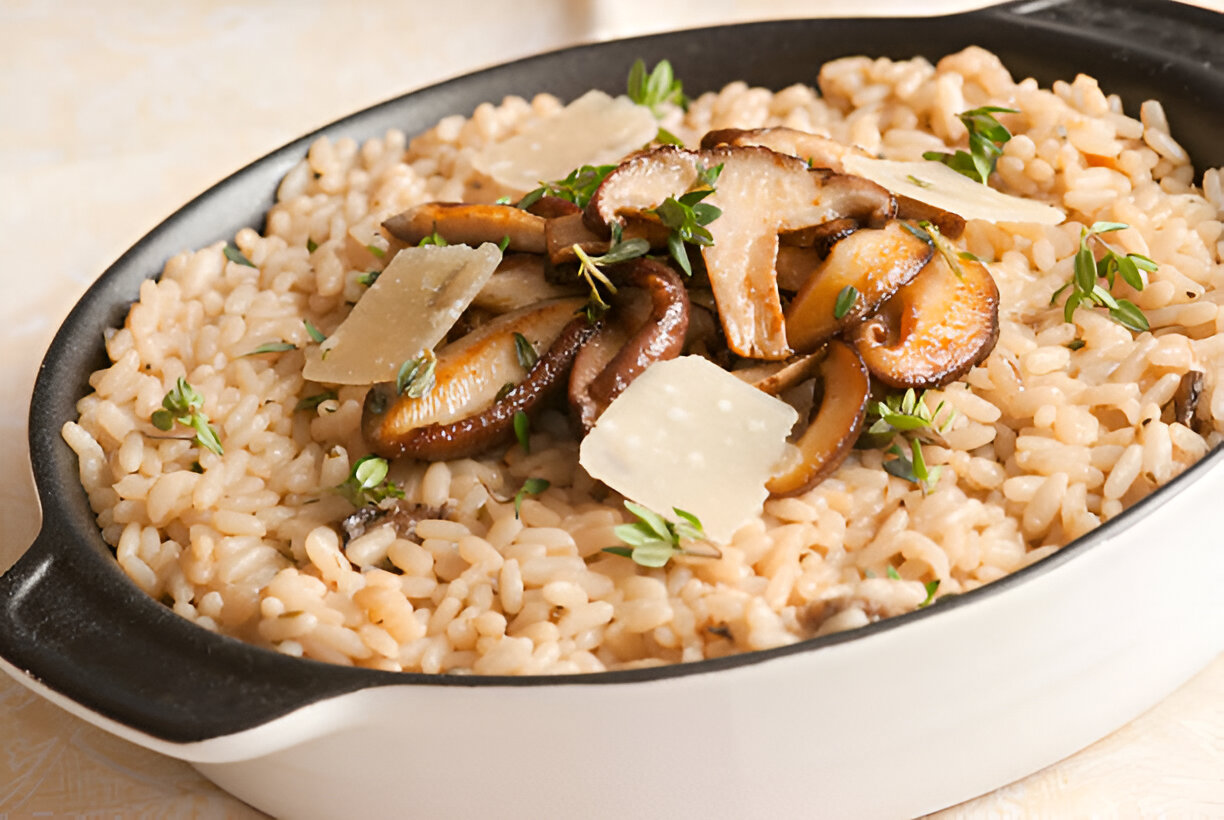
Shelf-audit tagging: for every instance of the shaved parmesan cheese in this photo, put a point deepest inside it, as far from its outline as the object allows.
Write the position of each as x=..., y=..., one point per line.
x=688, y=434
x=594, y=129
x=412, y=305
x=936, y=184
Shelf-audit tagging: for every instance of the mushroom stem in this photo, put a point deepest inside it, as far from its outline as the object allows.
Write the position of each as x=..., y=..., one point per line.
x=832, y=433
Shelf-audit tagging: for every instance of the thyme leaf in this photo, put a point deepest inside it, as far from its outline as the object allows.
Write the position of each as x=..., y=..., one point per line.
x=532, y=486
x=987, y=136
x=271, y=347
x=578, y=186
x=367, y=482
x=527, y=356
x=846, y=298
x=522, y=430
x=235, y=255
x=652, y=540
x=181, y=405
x=656, y=88
x=416, y=376
x=312, y=402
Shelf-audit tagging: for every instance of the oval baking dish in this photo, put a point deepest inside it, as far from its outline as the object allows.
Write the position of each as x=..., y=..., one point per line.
x=897, y=718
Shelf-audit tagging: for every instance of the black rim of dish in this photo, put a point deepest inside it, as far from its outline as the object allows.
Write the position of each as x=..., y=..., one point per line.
x=70, y=618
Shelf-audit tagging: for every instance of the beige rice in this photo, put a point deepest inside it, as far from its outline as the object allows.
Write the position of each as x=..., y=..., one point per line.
x=1048, y=443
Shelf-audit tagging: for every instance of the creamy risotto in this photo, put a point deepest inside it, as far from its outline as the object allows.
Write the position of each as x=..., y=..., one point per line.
x=283, y=531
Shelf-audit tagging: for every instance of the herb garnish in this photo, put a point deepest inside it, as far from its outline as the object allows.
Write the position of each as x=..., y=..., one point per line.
x=368, y=483
x=311, y=245
x=665, y=137
x=235, y=255
x=1086, y=290
x=312, y=402
x=416, y=376
x=987, y=136
x=527, y=356
x=656, y=88
x=913, y=467
x=376, y=251
x=433, y=239
x=522, y=430
x=897, y=415
x=503, y=200
x=1075, y=344
x=368, y=278
x=687, y=216
x=893, y=574
x=182, y=404
x=621, y=250
x=271, y=347
x=504, y=243
x=930, y=234
x=652, y=540
x=313, y=332
x=532, y=486
x=931, y=587
x=846, y=298
x=577, y=188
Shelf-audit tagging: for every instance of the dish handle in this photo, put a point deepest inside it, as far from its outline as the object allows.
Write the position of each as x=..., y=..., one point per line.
x=71, y=621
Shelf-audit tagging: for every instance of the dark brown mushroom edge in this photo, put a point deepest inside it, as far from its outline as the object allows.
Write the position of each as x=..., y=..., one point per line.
x=814, y=286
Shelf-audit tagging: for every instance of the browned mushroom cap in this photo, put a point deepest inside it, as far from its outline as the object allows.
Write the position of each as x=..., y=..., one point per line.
x=469, y=375
x=818, y=152
x=822, y=152
x=832, y=433
x=460, y=223
x=551, y=207
x=874, y=262
x=761, y=193
x=597, y=379
x=934, y=329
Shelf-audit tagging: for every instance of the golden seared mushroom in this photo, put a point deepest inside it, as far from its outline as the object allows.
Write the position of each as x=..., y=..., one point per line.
x=935, y=329
x=835, y=427
x=822, y=152
x=761, y=193
x=816, y=151
x=874, y=262
x=619, y=354
x=462, y=224
x=452, y=420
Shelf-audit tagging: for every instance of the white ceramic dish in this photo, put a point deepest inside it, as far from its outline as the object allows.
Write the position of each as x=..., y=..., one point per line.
x=898, y=718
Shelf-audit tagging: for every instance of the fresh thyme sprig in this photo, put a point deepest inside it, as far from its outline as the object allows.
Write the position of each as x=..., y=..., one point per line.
x=687, y=216
x=906, y=415
x=235, y=255
x=433, y=239
x=416, y=376
x=1086, y=289
x=653, y=540
x=658, y=87
x=987, y=136
x=930, y=234
x=621, y=250
x=181, y=405
x=578, y=187
x=368, y=483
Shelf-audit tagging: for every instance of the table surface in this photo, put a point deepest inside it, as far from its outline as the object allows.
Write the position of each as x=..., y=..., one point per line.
x=115, y=114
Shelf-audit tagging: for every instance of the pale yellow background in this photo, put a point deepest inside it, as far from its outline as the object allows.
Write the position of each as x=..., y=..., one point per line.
x=114, y=114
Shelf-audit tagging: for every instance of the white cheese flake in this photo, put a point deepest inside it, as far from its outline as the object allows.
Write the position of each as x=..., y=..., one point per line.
x=688, y=434
x=412, y=305
x=594, y=129
x=936, y=184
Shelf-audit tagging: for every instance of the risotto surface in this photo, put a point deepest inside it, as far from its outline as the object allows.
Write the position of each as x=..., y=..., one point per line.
x=1050, y=437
